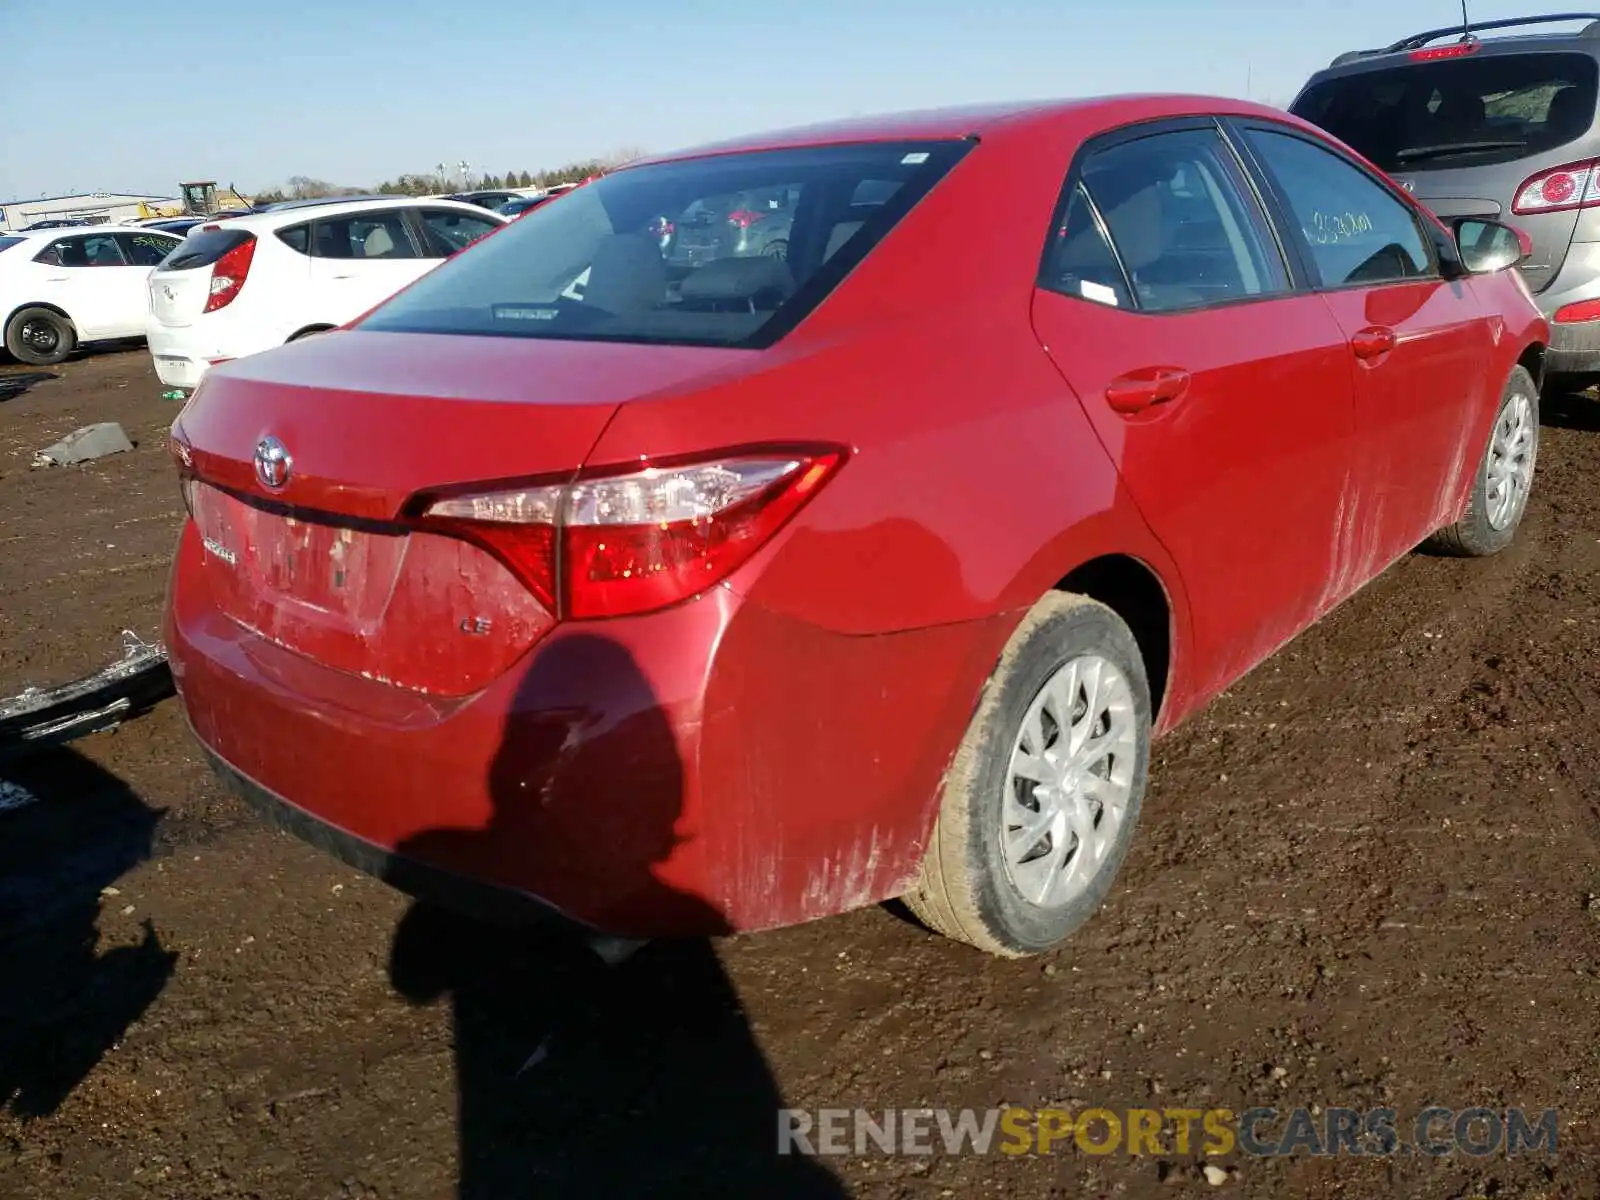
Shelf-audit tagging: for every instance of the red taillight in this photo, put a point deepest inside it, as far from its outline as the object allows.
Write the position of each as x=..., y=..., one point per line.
x=1572, y=314
x=228, y=274
x=611, y=545
x=744, y=217
x=184, y=458
x=1455, y=51
x=1573, y=185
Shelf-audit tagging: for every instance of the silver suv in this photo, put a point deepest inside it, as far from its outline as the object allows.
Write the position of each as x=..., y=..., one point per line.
x=1499, y=127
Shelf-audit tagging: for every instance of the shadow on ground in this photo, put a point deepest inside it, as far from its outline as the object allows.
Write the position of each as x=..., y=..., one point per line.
x=63, y=1002
x=1570, y=410
x=17, y=383
x=575, y=1078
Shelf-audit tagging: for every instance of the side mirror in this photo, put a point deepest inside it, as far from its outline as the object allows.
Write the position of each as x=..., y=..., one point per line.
x=1488, y=246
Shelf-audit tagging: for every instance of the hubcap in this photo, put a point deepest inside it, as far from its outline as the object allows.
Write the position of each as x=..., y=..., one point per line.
x=1069, y=782
x=40, y=335
x=1509, y=471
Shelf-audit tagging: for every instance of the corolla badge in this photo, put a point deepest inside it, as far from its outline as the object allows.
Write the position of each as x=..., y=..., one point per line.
x=273, y=463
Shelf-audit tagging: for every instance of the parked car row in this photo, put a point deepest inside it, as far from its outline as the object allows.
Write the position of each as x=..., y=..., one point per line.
x=227, y=289
x=765, y=531
x=272, y=277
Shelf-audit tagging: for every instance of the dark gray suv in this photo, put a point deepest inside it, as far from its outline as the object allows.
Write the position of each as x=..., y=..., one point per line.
x=1499, y=127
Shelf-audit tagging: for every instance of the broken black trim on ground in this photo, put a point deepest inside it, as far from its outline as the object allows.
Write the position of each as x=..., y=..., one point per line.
x=42, y=717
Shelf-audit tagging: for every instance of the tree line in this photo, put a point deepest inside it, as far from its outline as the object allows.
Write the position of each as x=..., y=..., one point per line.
x=431, y=183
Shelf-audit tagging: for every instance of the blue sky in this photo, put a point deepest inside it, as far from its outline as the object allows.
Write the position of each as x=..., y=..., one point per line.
x=356, y=91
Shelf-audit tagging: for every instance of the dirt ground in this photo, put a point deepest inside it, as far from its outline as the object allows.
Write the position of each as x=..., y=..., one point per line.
x=1366, y=877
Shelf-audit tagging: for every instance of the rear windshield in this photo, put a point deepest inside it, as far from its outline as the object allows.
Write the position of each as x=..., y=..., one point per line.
x=1457, y=112
x=203, y=247
x=727, y=250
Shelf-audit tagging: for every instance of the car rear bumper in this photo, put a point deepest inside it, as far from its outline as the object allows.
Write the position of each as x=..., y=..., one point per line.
x=183, y=354
x=711, y=768
x=1574, y=347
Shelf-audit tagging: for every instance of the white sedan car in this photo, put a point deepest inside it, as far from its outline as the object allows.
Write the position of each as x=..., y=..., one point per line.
x=63, y=288
x=242, y=286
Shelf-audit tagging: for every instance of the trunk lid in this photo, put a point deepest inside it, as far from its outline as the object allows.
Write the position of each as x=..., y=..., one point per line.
x=327, y=565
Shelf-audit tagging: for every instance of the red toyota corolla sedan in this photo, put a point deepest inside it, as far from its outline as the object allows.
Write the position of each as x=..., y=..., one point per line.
x=683, y=581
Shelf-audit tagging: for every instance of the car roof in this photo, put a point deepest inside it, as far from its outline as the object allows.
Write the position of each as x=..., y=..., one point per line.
x=978, y=121
x=62, y=231
x=290, y=216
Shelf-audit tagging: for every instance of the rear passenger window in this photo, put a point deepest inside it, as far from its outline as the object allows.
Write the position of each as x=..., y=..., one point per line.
x=1081, y=262
x=1355, y=231
x=297, y=238
x=1185, y=228
x=453, y=230
x=146, y=249
x=363, y=235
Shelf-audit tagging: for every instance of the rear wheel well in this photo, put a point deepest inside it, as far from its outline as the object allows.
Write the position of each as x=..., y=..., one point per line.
x=1532, y=358
x=55, y=308
x=1132, y=591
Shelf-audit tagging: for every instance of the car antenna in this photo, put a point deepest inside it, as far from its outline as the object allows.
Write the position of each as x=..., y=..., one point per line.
x=1466, y=23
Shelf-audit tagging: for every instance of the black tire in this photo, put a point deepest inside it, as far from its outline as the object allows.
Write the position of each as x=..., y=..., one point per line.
x=1475, y=535
x=305, y=333
x=966, y=889
x=776, y=249
x=40, y=337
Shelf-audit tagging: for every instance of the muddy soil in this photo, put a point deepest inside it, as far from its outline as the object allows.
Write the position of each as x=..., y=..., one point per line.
x=1366, y=877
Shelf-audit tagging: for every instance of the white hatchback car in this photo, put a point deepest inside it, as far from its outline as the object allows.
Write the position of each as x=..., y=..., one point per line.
x=242, y=286
x=63, y=288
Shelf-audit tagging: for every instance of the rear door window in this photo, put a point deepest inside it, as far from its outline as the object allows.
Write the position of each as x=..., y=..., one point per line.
x=1080, y=261
x=450, y=230
x=381, y=234
x=147, y=249
x=1186, y=230
x=1352, y=228
x=1470, y=111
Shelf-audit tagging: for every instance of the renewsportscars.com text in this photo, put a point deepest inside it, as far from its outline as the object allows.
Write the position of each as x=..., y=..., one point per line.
x=1261, y=1132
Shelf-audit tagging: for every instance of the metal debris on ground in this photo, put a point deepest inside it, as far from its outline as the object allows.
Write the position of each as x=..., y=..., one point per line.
x=82, y=445
x=40, y=717
x=174, y=394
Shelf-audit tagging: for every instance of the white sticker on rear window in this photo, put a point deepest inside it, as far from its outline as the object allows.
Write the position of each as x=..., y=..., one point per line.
x=524, y=312
x=1098, y=292
x=911, y=160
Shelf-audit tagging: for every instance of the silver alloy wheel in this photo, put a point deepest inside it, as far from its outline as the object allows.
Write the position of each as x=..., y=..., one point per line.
x=1069, y=782
x=1509, y=471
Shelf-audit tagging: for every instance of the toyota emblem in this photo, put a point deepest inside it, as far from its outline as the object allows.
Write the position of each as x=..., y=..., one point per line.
x=273, y=463
x=1408, y=185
